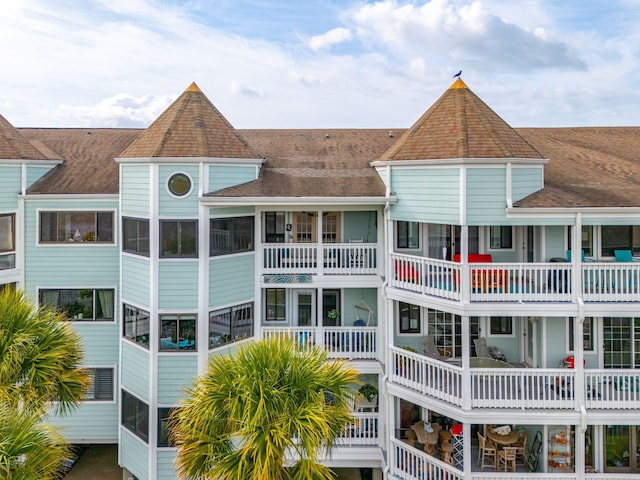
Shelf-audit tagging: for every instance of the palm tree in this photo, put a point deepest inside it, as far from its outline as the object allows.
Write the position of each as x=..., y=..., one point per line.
x=40, y=358
x=267, y=411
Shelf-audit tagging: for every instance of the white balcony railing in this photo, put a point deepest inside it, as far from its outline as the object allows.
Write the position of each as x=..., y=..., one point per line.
x=363, y=432
x=411, y=464
x=516, y=282
x=609, y=389
x=356, y=343
x=336, y=258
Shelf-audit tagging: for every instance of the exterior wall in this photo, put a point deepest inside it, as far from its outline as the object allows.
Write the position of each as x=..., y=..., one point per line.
x=10, y=181
x=525, y=181
x=360, y=225
x=136, y=279
x=178, y=284
x=134, y=453
x=176, y=371
x=427, y=195
x=171, y=206
x=555, y=242
x=222, y=176
x=91, y=422
x=135, y=370
x=134, y=190
x=353, y=297
x=100, y=340
x=231, y=279
x=230, y=211
x=166, y=457
x=486, y=196
x=35, y=173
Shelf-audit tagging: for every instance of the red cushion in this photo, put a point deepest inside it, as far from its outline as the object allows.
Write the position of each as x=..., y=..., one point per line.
x=475, y=258
x=406, y=273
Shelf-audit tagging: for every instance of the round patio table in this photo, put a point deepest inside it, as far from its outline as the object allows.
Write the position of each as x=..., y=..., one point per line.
x=484, y=362
x=508, y=439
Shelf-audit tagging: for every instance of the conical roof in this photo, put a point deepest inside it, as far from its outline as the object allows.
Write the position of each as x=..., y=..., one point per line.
x=14, y=146
x=190, y=127
x=460, y=125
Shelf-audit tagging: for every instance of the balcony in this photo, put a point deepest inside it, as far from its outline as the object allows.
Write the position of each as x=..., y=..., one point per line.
x=522, y=388
x=336, y=258
x=515, y=282
x=353, y=343
x=364, y=432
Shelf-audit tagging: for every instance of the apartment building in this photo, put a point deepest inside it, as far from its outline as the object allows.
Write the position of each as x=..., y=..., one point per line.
x=437, y=259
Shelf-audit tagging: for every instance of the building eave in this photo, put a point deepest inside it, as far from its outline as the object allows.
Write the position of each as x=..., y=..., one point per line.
x=243, y=201
x=459, y=161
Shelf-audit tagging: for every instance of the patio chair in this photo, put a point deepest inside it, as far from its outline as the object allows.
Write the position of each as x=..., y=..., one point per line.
x=431, y=350
x=481, y=347
x=533, y=455
x=623, y=256
x=521, y=446
x=486, y=453
x=507, y=459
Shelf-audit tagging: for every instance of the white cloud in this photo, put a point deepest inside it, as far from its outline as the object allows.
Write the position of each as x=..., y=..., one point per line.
x=332, y=37
x=245, y=90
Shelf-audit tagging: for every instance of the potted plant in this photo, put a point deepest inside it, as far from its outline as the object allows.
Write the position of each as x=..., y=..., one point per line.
x=369, y=391
x=333, y=314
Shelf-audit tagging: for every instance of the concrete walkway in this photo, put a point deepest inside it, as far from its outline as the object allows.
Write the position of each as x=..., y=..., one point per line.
x=100, y=462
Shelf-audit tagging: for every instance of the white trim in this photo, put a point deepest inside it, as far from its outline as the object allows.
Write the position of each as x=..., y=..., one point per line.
x=488, y=333
x=428, y=162
x=569, y=213
x=184, y=195
x=10, y=162
x=113, y=386
x=233, y=162
x=39, y=288
x=298, y=201
x=71, y=196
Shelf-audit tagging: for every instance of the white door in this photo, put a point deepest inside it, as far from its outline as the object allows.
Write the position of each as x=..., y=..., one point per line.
x=305, y=308
x=529, y=335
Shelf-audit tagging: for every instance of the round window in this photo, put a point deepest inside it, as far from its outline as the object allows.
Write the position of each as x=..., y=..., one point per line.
x=179, y=184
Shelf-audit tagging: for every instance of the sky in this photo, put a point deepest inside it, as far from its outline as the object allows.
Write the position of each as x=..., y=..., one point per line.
x=318, y=63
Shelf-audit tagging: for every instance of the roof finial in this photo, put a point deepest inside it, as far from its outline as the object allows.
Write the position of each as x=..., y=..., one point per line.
x=193, y=88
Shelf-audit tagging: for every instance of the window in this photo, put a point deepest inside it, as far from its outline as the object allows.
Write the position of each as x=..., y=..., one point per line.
x=446, y=329
x=135, y=415
x=587, y=334
x=231, y=235
x=231, y=324
x=408, y=235
x=76, y=227
x=179, y=184
x=330, y=303
x=276, y=305
x=501, y=238
x=164, y=433
x=409, y=318
x=177, y=332
x=101, y=384
x=135, y=233
x=501, y=326
x=274, y=227
x=586, y=240
x=81, y=305
x=136, y=325
x=330, y=227
x=178, y=238
x=7, y=241
x=615, y=237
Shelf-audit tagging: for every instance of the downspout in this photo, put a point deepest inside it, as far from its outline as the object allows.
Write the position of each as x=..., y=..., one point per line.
x=508, y=186
x=386, y=445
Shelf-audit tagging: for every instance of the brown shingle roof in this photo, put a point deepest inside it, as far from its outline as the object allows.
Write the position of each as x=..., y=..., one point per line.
x=588, y=167
x=13, y=146
x=89, y=165
x=315, y=163
x=460, y=125
x=190, y=127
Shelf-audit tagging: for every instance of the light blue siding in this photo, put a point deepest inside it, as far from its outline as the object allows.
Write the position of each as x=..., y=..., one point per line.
x=360, y=225
x=100, y=340
x=355, y=296
x=35, y=173
x=175, y=373
x=183, y=206
x=486, y=196
x=134, y=190
x=178, y=285
x=135, y=370
x=10, y=180
x=136, y=280
x=428, y=195
x=556, y=340
x=95, y=422
x=525, y=181
x=232, y=279
x=231, y=211
x=554, y=242
x=222, y=176
x=134, y=454
x=165, y=470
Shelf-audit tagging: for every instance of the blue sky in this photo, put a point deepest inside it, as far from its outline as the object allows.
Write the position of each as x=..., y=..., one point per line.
x=318, y=63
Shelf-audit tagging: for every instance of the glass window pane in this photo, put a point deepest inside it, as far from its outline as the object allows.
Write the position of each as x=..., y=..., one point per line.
x=6, y=233
x=169, y=238
x=188, y=239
